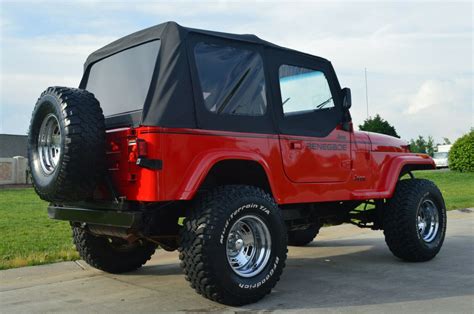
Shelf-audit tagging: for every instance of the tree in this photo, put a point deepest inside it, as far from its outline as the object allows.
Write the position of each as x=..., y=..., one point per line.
x=446, y=141
x=430, y=146
x=461, y=155
x=420, y=145
x=378, y=125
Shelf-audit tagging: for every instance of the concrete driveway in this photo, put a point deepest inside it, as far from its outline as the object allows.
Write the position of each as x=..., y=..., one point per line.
x=346, y=269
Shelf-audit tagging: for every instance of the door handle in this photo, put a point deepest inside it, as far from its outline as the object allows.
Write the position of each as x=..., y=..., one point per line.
x=296, y=145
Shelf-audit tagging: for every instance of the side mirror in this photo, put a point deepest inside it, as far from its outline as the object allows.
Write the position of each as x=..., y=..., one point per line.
x=346, y=98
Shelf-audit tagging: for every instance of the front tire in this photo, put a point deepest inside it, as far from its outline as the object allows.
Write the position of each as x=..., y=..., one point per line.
x=112, y=255
x=414, y=220
x=233, y=245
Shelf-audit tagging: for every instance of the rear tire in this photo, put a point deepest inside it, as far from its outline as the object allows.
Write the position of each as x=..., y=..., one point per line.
x=112, y=255
x=218, y=238
x=303, y=237
x=414, y=220
x=66, y=144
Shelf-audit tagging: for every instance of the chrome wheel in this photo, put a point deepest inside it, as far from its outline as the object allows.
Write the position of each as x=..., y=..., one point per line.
x=49, y=143
x=428, y=221
x=248, y=246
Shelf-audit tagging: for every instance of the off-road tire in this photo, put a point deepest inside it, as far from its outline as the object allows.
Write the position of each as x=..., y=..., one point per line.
x=203, y=244
x=99, y=252
x=82, y=157
x=303, y=237
x=400, y=220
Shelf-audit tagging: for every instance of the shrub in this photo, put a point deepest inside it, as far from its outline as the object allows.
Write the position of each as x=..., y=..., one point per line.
x=461, y=155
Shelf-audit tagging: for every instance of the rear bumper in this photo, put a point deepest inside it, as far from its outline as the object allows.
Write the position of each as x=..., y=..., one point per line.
x=126, y=219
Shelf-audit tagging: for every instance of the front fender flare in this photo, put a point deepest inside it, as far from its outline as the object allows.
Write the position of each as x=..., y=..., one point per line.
x=400, y=165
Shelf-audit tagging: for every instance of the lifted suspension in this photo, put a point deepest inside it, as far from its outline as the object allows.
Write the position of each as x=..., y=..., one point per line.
x=367, y=217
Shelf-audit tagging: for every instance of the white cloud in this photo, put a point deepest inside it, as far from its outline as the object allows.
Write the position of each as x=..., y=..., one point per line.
x=29, y=66
x=431, y=94
x=418, y=54
x=4, y=22
x=440, y=108
x=24, y=88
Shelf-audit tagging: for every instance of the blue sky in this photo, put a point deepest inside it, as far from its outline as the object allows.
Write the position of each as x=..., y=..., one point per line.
x=418, y=54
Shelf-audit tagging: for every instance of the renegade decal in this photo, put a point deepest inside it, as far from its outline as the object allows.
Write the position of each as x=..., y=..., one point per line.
x=318, y=146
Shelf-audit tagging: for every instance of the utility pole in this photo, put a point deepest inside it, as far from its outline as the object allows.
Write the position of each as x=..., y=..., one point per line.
x=366, y=93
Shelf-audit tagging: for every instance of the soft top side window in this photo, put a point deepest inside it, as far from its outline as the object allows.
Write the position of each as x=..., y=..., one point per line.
x=232, y=79
x=307, y=94
x=303, y=90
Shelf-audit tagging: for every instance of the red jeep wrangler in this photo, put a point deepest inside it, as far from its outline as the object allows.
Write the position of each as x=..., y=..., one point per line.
x=226, y=148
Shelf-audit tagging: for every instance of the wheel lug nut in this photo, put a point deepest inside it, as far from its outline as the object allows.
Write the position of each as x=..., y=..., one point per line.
x=238, y=244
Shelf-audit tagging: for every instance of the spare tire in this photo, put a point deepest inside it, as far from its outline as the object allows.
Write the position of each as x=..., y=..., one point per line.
x=66, y=144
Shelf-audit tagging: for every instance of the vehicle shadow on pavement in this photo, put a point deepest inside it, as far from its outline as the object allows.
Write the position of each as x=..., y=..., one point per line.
x=369, y=275
x=330, y=274
x=157, y=270
x=357, y=272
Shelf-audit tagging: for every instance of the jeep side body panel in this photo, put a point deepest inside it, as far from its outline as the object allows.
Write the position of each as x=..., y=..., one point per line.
x=369, y=171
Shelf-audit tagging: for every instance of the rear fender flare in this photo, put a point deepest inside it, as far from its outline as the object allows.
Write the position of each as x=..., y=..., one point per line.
x=202, y=164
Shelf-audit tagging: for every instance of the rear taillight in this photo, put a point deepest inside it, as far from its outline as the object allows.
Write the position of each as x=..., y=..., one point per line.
x=137, y=148
x=141, y=147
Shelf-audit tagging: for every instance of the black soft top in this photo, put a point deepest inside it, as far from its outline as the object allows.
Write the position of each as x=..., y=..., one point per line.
x=173, y=32
x=170, y=101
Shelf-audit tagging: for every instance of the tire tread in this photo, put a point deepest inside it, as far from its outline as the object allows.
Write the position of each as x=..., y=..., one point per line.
x=83, y=161
x=398, y=219
x=194, y=237
x=95, y=251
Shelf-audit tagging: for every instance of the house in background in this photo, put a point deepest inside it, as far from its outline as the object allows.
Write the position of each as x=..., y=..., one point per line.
x=13, y=145
x=13, y=162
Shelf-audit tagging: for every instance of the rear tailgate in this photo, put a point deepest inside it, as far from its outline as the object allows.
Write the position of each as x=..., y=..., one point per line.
x=134, y=163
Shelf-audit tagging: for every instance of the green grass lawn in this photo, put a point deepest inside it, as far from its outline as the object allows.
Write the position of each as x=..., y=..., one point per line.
x=457, y=187
x=29, y=237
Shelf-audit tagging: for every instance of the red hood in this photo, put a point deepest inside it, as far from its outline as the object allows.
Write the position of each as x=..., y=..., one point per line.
x=386, y=143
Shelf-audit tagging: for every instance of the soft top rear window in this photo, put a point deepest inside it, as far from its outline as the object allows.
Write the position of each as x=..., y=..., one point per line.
x=121, y=82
